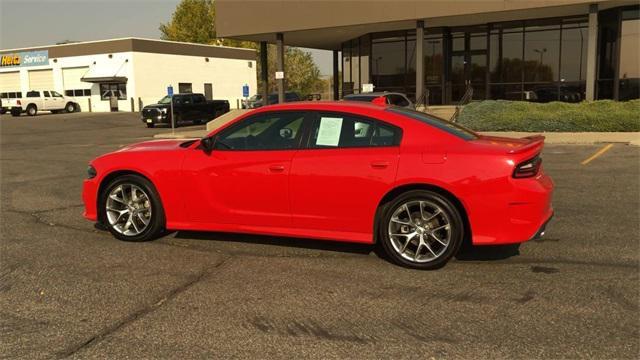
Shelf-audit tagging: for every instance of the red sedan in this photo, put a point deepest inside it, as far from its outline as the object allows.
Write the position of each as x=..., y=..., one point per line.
x=417, y=185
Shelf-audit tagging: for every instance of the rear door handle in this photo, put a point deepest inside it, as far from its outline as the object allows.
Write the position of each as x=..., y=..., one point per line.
x=276, y=168
x=379, y=164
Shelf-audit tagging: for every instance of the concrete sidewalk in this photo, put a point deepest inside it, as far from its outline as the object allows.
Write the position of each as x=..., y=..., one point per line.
x=632, y=138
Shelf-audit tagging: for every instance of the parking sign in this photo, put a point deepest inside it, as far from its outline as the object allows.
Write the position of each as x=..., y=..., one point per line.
x=245, y=90
x=170, y=90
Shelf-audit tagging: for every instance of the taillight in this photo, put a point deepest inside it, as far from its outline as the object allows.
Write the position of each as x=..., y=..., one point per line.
x=18, y=102
x=527, y=168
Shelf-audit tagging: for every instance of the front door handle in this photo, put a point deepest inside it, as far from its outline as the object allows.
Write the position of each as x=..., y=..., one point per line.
x=276, y=168
x=380, y=164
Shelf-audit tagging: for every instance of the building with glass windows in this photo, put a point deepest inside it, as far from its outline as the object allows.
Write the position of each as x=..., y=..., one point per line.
x=435, y=51
x=131, y=71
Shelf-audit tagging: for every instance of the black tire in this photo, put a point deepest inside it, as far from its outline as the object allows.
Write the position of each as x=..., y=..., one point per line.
x=32, y=110
x=3, y=111
x=150, y=125
x=70, y=107
x=156, y=225
x=15, y=113
x=450, y=211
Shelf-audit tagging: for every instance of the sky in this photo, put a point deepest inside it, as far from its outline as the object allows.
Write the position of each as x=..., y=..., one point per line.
x=25, y=23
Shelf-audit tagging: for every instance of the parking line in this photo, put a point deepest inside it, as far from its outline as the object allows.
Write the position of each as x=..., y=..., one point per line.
x=598, y=153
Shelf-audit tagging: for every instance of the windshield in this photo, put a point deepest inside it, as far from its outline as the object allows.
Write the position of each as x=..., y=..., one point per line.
x=165, y=100
x=448, y=126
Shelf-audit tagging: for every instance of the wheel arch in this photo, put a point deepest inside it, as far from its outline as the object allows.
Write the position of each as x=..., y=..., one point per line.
x=113, y=175
x=398, y=190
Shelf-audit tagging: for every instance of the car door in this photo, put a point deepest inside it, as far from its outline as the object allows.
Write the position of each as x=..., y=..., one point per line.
x=348, y=165
x=57, y=101
x=244, y=179
x=47, y=101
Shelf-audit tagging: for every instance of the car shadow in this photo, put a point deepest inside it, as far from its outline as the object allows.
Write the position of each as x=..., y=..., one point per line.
x=302, y=243
x=467, y=253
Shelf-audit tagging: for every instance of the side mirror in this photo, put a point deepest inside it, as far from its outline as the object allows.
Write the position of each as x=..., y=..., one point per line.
x=207, y=144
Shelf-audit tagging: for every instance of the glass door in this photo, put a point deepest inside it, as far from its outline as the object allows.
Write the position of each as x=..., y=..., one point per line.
x=468, y=65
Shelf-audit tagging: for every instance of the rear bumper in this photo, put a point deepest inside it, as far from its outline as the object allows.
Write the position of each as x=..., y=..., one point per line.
x=541, y=231
x=519, y=215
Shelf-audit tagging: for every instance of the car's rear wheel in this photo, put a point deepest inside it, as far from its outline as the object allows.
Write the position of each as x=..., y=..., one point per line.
x=71, y=107
x=32, y=110
x=421, y=229
x=150, y=125
x=132, y=210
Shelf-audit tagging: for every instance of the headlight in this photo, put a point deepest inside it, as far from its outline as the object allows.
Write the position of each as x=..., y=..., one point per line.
x=91, y=172
x=163, y=110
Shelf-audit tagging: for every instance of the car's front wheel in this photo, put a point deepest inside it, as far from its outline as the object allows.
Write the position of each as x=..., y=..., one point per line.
x=421, y=229
x=132, y=210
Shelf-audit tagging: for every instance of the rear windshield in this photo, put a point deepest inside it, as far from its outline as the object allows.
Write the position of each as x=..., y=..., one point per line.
x=450, y=127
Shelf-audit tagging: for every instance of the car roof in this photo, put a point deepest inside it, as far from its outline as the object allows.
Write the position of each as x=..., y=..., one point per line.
x=325, y=105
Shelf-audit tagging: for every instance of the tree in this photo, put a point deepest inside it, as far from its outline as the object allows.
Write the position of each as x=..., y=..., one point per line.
x=194, y=21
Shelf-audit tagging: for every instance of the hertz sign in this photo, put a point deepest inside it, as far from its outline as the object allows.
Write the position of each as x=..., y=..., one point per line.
x=27, y=58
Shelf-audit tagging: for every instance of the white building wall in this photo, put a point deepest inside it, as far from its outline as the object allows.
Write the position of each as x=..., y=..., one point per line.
x=154, y=72
x=149, y=74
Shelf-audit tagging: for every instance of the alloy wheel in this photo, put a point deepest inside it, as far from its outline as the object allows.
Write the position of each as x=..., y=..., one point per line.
x=128, y=209
x=420, y=231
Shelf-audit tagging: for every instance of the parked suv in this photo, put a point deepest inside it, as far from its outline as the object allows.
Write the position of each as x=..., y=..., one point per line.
x=35, y=100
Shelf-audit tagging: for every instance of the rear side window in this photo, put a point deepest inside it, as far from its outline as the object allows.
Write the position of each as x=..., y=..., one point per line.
x=33, y=94
x=450, y=127
x=338, y=130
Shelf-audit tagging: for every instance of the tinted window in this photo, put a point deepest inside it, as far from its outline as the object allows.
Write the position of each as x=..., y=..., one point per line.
x=270, y=131
x=451, y=128
x=198, y=99
x=359, y=98
x=46, y=94
x=56, y=94
x=33, y=94
x=345, y=130
x=398, y=100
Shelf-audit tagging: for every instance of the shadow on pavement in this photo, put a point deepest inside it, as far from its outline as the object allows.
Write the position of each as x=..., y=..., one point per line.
x=303, y=243
x=469, y=253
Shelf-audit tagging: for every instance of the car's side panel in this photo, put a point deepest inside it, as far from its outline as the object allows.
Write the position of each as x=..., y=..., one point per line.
x=238, y=187
x=339, y=189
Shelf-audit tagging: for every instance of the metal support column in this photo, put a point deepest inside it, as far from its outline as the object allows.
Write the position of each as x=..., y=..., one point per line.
x=264, y=71
x=336, y=76
x=420, y=101
x=280, y=67
x=592, y=48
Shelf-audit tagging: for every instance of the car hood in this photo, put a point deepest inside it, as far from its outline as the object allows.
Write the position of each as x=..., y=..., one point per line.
x=156, y=145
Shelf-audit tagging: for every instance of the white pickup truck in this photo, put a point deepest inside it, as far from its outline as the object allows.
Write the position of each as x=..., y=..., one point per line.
x=45, y=100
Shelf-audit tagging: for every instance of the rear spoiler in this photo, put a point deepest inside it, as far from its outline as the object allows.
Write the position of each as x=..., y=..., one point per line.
x=534, y=142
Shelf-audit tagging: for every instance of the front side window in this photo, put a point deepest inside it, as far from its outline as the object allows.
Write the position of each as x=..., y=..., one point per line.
x=55, y=94
x=336, y=130
x=46, y=94
x=270, y=131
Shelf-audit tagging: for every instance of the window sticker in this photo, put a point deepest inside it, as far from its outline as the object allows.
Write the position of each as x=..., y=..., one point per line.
x=329, y=131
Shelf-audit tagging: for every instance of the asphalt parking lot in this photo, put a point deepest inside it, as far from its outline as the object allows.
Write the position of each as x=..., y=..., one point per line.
x=69, y=290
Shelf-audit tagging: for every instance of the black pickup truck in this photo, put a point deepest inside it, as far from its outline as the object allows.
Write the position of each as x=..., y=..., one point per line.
x=187, y=108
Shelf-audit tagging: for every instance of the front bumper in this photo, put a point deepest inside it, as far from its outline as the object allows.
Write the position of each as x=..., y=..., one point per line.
x=90, y=198
x=156, y=119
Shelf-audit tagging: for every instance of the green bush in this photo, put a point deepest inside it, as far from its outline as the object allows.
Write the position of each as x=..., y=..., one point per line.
x=601, y=115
